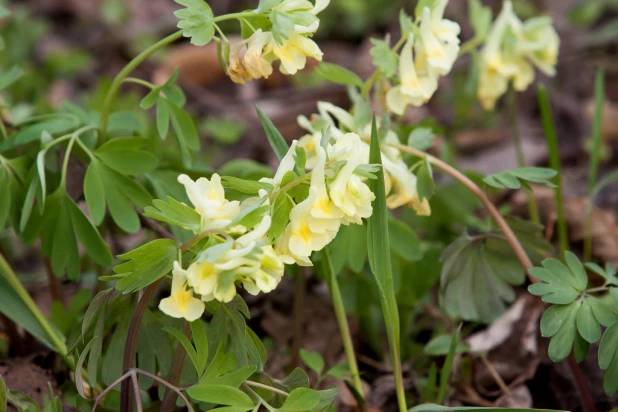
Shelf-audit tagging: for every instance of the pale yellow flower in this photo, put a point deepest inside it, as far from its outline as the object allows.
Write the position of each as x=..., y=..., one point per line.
x=282, y=248
x=235, y=69
x=347, y=191
x=304, y=13
x=181, y=303
x=268, y=274
x=302, y=240
x=401, y=187
x=208, y=198
x=440, y=54
x=445, y=30
x=293, y=52
x=415, y=89
x=325, y=216
x=540, y=43
x=285, y=165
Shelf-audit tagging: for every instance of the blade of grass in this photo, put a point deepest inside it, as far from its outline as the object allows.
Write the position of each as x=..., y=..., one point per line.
x=448, y=365
x=554, y=162
x=380, y=262
x=276, y=140
x=595, y=154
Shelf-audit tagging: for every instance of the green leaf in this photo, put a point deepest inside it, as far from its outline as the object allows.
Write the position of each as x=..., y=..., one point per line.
x=480, y=18
x=300, y=399
x=10, y=76
x=477, y=274
x=338, y=74
x=281, y=214
x=201, y=344
x=104, y=185
x=249, y=187
x=440, y=346
x=587, y=325
x=425, y=185
x=421, y=138
x=580, y=348
x=146, y=264
x=255, y=349
x=276, y=140
x=384, y=58
x=313, y=360
x=562, y=342
x=162, y=118
x=174, y=213
x=186, y=344
x=404, y=241
x=226, y=130
x=297, y=379
x=17, y=305
x=379, y=253
x=327, y=397
x=512, y=178
x=608, y=359
x=283, y=25
x=221, y=395
x=63, y=224
x=185, y=131
x=609, y=273
x=561, y=285
x=196, y=21
x=125, y=155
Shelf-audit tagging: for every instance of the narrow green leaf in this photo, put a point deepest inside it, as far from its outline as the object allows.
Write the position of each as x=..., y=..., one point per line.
x=608, y=359
x=448, y=364
x=186, y=344
x=338, y=74
x=276, y=140
x=313, y=360
x=201, y=344
x=221, y=395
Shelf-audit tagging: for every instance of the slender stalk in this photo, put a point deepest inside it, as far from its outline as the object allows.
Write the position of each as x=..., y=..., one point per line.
x=582, y=385
x=554, y=162
x=510, y=237
x=297, y=315
x=470, y=45
x=169, y=399
x=266, y=387
x=521, y=160
x=128, y=360
x=595, y=155
x=119, y=79
x=7, y=273
x=342, y=321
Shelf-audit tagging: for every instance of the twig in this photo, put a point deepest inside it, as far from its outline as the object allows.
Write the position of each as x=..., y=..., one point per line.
x=494, y=373
x=582, y=386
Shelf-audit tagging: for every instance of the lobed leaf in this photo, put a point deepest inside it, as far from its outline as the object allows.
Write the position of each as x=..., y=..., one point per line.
x=174, y=213
x=196, y=21
x=511, y=179
x=338, y=74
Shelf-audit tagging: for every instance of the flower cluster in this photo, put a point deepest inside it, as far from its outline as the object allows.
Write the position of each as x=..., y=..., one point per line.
x=293, y=22
x=512, y=50
x=429, y=52
x=400, y=182
x=240, y=245
x=233, y=253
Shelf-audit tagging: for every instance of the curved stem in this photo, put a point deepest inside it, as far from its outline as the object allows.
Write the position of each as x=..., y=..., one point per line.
x=113, y=89
x=470, y=45
x=510, y=237
x=169, y=399
x=266, y=387
x=140, y=82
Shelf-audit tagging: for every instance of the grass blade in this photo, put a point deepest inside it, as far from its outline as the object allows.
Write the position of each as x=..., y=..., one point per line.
x=380, y=262
x=448, y=365
x=277, y=142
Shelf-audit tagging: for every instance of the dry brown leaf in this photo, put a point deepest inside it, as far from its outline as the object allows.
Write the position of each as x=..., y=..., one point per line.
x=478, y=139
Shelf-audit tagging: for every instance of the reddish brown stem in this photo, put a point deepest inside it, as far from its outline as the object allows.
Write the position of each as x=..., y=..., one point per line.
x=128, y=360
x=55, y=285
x=582, y=386
x=169, y=400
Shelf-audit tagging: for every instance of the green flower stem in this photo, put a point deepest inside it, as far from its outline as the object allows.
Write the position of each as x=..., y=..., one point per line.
x=120, y=77
x=521, y=161
x=65, y=163
x=554, y=162
x=7, y=273
x=140, y=82
x=342, y=321
x=266, y=387
x=595, y=155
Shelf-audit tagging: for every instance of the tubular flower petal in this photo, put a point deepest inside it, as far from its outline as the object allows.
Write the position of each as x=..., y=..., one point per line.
x=402, y=188
x=440, y=55
x=325, y=216
x=256, y=65
x=294, y=51
x=414, y=89
x=181, y=303
x=303, y=241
